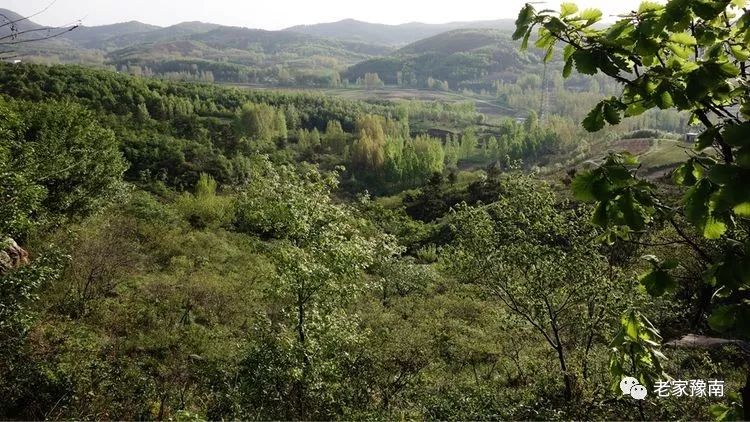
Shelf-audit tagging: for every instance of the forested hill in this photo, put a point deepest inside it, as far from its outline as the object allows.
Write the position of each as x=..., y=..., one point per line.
x=351, y=29
x=125, y=39
x=232, y=54
x=21, y=24
x=174, y=131
x=463, y=57
x=96, y=36
x=197, y=51
x=310, y=56
x=24, y=30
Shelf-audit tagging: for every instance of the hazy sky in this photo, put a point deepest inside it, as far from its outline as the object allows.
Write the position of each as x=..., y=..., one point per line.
x=278, y=14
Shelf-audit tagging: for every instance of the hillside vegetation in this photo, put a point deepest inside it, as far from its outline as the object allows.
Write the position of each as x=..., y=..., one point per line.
x=462, y=58
x=205, y=252
x=172, y=248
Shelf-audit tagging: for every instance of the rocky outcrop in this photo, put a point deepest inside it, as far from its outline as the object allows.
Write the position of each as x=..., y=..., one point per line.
x=693, y=341
x=12, y=256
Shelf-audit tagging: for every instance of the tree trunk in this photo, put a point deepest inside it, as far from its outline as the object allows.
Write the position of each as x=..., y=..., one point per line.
x=558, y=346
x=305, y=360
x=566, y=375
x=160, y=416
x=745, y=394
x=301, y=323
x=589, y=343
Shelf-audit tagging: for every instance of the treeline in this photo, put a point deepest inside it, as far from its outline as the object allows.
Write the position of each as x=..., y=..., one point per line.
x=121, y=94
x=170, y=133
x=198, y=70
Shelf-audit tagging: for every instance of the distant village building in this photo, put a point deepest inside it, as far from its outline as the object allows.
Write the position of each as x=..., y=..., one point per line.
x=691, y=137
x=734, y=110
x=441, y=133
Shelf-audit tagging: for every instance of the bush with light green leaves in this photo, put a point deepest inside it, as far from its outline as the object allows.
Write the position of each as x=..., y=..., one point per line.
x=689, y=55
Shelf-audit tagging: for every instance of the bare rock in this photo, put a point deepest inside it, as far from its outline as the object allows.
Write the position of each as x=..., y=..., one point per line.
x=694, y=341
x=12, y=256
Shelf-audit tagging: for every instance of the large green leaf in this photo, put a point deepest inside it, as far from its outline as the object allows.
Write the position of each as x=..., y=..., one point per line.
x=620, y=29
x=679, y=50
x=657, y=282
x=633, y=214
x=591, y=16
x=734, y=196
x=649, y=6
x=664, y=100
x=632, y=326
x=594, y=121
x=731, y=319
x=737, y=134
x=611, y=114
x=683, y=38
x=567, y=9
x=706, y=139
x=723, y=174
x=525, y=17
x=688, y=173
x=601, y=214
x=590, y=186
x=698, y=210
x=585, y=62
x=708, y=9
x=555, y=25
x=568, y=68
x=713, y=228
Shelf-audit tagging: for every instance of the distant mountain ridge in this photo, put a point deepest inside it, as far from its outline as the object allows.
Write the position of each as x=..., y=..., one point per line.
x=313, y=55
x=464, y=58
x=21, y=25
x=124, y=34
x=91, y=36
x=174, y=32
x=402, y=34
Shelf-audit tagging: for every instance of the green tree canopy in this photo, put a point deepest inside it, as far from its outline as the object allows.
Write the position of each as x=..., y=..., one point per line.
x=56, y=162
x=690, y=55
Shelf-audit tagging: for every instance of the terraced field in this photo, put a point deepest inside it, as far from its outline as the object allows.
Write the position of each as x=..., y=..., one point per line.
x=657, y=156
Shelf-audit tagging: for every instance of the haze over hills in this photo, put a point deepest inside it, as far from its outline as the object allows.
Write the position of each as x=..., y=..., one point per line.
x=392, y=34
x=120, y=35
x=7, y=16
x=465, y=58
x=22, y=28
x=184, y=29
x=312, y=55
x=92, y=36
x=191, y=50
x=247, y=55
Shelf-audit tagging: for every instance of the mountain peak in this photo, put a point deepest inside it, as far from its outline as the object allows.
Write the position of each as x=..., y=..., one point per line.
x=22, y=24
x=394, y=35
